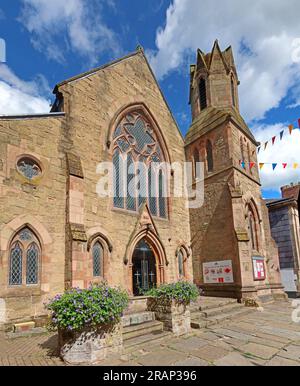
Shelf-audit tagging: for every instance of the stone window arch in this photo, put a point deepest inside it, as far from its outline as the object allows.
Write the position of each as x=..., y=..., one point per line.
x=137, y=151
x=182, y=255
x=253, y=227
x=24, y=259
x=202, y=94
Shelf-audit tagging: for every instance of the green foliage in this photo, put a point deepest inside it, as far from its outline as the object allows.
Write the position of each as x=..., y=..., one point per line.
x=182, y=292
x=77, y=309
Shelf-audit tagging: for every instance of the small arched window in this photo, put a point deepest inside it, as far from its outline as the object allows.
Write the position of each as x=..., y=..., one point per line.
x=249, y=158
x=232, y=92
x=253, y=229
x=180, y=263
x=196, y=160
x=202, y=94
x=98, y=267
x=209, y=156
x=242, y=153
x=24, y=258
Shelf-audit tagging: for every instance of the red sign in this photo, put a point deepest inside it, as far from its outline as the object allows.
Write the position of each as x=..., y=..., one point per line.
x=259, y=268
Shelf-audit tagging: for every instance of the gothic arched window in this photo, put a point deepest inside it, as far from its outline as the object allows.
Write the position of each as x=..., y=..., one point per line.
x=209, y=156
x=232, y=92
x=196, y=159
x=97, y=254
x=24, y=258
x=253, y=229
x=242, y=153
x=202, y=94
x=180, y=263
x=137, y=155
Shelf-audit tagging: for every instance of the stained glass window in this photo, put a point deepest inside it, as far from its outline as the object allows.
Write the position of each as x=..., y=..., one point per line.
x=24, y=257
x=16, y=257
x=32, y=263
x=136, y=140
x=29, y=168
x=97, y=260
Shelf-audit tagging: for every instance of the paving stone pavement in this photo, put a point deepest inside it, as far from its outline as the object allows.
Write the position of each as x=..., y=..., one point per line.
x=262, y=338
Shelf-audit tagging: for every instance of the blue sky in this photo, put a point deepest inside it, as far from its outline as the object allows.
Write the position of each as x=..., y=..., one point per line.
x=50, y=41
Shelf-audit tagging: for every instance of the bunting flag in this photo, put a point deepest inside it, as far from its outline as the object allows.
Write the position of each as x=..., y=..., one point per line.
x=291, y=128
x=285, y=165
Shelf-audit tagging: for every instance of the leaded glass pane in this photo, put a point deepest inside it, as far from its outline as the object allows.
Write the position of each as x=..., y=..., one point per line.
x=130, y=199
x=123, y=144
x=32, y=263
x=142, y=137
x=180, y=264
x=135, y=136
x=25, y=235
x=29, y=168
x=117, y=181
x=15, y=274
x=162, y=194
x=152, y=191
x=97, y=260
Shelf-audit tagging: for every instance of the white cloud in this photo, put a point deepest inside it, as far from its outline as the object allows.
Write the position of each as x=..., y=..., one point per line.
x=20, y=97
x=262, y=34
x=285, y=151
x=58, y=26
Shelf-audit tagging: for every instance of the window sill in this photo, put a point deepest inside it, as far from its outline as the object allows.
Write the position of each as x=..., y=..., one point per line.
x=22, y=291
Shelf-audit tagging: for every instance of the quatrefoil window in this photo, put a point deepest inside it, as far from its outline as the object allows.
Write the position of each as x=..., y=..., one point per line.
x=29, y=168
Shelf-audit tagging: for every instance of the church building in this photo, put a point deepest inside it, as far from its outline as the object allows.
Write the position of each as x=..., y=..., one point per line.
x=57, y=233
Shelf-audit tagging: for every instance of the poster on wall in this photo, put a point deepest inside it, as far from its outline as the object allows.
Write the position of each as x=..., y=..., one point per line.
x=259, y=272
x=218, y=272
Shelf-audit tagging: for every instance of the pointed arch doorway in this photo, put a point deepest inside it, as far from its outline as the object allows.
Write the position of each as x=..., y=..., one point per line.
x=144, y=270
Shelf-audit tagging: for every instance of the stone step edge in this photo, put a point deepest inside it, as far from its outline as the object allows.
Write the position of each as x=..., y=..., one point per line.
x=219, y=310
x=131, y=343
x=140, y=328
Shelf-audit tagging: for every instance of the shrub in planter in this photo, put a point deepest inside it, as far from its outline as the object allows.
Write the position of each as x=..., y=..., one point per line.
x=170, y=303
x=182, y=292
x=88, y=322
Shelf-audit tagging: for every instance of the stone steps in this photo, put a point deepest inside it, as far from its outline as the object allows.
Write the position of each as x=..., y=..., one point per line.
x=130, y=345
x=142, y=329
x=198, y=320
x=208, y=311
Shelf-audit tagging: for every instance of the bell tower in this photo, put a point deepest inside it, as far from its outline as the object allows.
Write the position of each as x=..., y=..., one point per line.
x=234, y=254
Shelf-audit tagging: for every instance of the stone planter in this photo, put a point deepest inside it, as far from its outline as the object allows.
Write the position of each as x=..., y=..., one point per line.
x=175, y=317
x=91, y=345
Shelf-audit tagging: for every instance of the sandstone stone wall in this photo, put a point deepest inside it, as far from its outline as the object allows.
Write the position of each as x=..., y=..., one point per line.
x=92, y=105
x=40, y=205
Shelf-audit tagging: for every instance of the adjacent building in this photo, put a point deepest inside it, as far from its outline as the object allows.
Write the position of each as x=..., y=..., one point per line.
x=284, y=220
